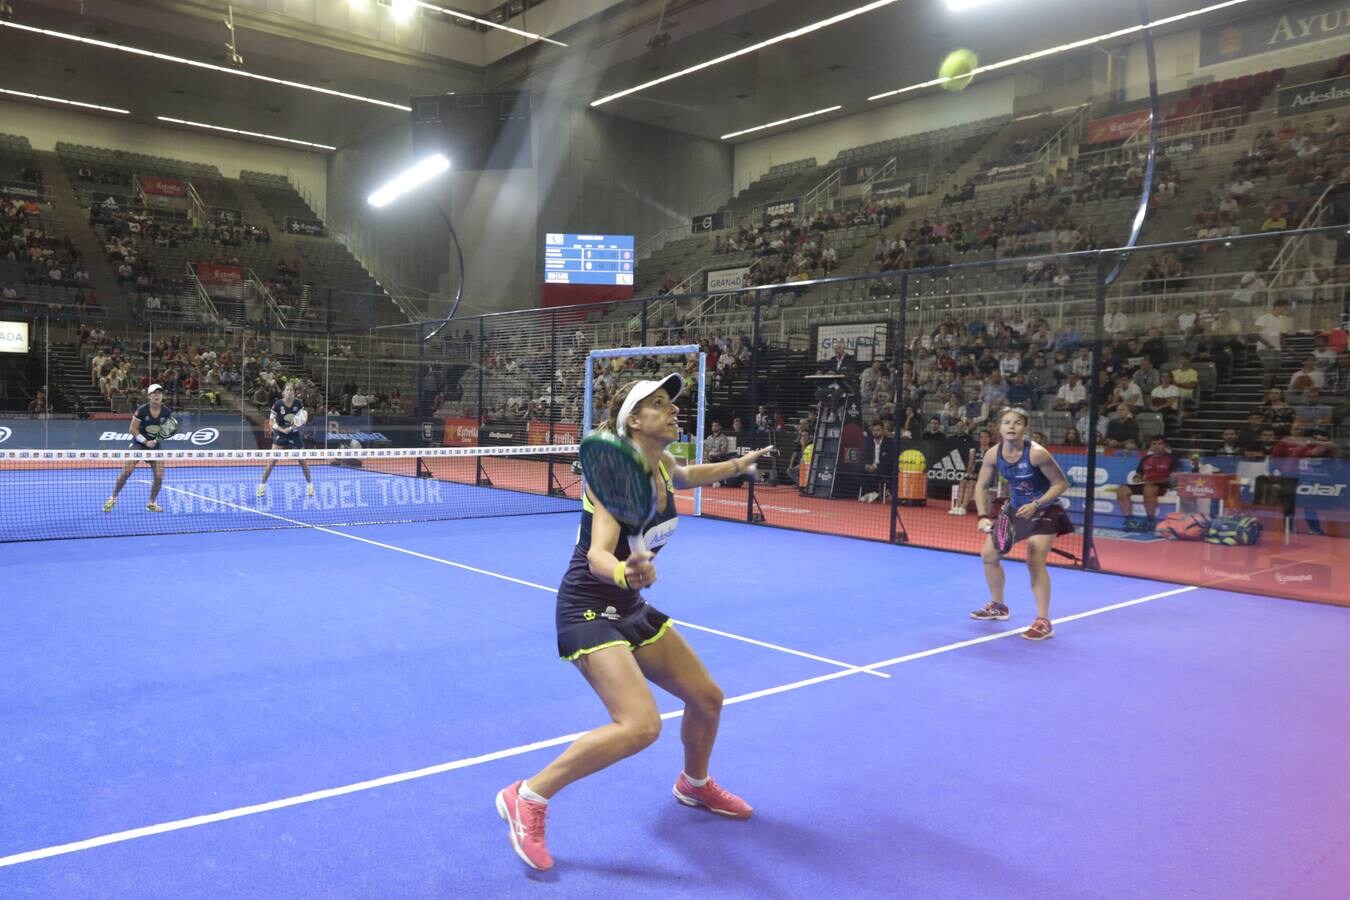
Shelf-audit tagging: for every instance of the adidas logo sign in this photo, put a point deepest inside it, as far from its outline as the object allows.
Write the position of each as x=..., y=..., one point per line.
x=949, y=468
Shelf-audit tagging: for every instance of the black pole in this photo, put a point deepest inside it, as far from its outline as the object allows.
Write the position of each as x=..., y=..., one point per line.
x=898, y=534
x=1089, y=560
x=754, y=401
x=478, y=460
x=552, y=406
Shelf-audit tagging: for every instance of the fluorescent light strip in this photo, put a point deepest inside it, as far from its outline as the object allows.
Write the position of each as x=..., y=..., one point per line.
x=28, y=96
x=410, y=179
x=256, y=134
x=468, y=18
x=819, y=112
x=136, y=51
x=786, y=36
x=1086, y=42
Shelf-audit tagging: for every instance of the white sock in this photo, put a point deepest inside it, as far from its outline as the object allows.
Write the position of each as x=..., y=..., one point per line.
x=531, y=795
x=696, y=782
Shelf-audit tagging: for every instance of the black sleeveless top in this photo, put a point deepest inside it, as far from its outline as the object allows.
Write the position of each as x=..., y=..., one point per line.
x=580, y=585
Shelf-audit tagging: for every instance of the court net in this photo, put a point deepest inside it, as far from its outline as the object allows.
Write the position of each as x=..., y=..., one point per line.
x=57, y=494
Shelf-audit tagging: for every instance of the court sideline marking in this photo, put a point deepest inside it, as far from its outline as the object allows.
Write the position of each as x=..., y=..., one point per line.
x=469, y=761
x=530, y=584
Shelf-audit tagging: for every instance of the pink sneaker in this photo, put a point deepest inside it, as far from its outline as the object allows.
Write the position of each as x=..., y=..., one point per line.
x=713, y=797
x=526, y=819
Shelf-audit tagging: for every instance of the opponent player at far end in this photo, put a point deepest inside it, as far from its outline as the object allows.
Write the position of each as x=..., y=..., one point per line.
x=288, y=417
x=151, y=424
x=1035, y=482
x=618, y=642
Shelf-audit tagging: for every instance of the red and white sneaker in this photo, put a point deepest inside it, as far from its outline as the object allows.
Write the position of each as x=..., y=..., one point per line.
x=1039, y=630
x=991, y=612
x=713, y=797
x=526, y=820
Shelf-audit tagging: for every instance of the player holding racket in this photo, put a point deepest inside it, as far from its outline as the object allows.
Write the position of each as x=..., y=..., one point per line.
x=151, y=425
x=1035, y=483
x=288, y=417
x=619, y=642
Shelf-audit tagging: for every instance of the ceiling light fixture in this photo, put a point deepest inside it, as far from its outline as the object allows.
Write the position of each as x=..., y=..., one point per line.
x=254, y=134
x=27, y=96
x=468, y=18
x=819, y=112
x=164, y=57
x=1086, y=42
x=409, y=180
x=777, y=39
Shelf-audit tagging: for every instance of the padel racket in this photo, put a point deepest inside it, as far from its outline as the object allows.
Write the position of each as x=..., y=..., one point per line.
x=300, y=418
x=621, y=479
x=166, y=430
x=1009, y=528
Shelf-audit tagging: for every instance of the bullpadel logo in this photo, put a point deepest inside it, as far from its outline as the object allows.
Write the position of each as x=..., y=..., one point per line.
x=4, y=434
x=203, y=436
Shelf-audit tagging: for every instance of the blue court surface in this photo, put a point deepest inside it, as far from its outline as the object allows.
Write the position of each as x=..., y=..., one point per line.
x=329, y=713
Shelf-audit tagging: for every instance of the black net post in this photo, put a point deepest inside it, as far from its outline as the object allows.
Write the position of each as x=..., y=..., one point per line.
x=754, y=399
x=548, y=394
x=897, y=526
x=482, y=362
x=1089, y=560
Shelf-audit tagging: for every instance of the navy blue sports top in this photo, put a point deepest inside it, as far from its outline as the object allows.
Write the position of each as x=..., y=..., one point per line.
x=150, y=424
x=1026, y=483
x=581, y=584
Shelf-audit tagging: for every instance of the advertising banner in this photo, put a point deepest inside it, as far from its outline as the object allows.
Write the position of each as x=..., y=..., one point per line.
x=727, y=279
x=311, y=227
x=225, y=276
x=864, y=340
x=782, y=208
x=461, y=432
x=196, y=431
x=1116, y=128
x=893, y=187
x=13, y=337
x=709, y=222
x=162, y=187
x=1317, y=21
x=563, y=433
x=344, y=431
x=506, y=433
x=21, y=189
x=1319, y=95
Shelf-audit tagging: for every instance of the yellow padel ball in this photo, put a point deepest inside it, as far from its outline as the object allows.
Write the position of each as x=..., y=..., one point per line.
x=958, y=69
x=912, y=461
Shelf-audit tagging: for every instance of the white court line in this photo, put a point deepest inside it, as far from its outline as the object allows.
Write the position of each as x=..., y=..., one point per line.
x=469, y=761
x=542, y=587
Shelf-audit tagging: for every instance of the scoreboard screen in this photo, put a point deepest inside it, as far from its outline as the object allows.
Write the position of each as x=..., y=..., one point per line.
x=588, y=259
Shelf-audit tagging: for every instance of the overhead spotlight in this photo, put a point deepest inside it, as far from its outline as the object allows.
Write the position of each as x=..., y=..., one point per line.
x=231, y=47
x=662, y=37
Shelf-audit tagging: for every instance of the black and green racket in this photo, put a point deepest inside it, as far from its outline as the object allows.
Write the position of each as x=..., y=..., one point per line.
x=621, y=479
x=166, y=430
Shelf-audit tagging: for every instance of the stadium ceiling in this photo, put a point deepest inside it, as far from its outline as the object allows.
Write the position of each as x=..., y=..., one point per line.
x=616, y=46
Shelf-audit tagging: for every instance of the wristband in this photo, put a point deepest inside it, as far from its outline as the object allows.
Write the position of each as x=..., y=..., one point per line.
x=621, y=574
x=140, y=439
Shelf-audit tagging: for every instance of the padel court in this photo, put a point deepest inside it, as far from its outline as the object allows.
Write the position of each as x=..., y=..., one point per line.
x=329, y=711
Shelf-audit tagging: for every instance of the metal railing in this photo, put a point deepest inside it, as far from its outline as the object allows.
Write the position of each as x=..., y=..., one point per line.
x=203, y=297
x=1290, y=254
x=821, y=197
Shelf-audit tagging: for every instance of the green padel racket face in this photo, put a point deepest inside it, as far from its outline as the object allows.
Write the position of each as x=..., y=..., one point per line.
x=619, y=476
x=167, y=429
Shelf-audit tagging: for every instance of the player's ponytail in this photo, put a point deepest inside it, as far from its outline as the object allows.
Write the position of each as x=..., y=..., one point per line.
x=611, y=420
